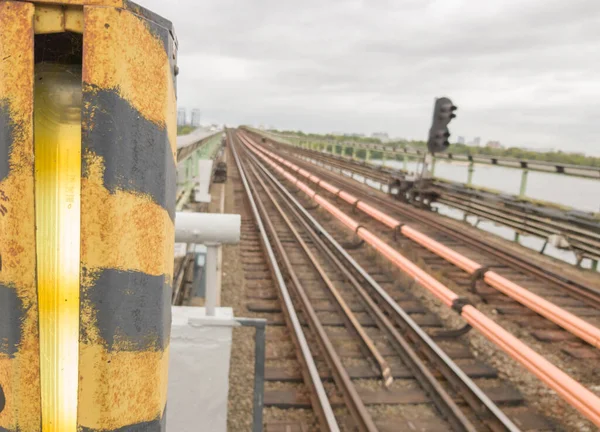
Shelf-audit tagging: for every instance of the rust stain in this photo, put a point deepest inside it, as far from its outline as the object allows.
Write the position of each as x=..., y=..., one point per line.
x=130, y=60
x=124, y=230
x=19, y=376
x=117, y=389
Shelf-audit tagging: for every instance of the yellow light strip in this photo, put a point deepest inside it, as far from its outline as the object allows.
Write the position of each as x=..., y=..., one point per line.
x=57, y=122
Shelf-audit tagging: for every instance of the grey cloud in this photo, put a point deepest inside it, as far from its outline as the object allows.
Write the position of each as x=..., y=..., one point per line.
x=524, y=73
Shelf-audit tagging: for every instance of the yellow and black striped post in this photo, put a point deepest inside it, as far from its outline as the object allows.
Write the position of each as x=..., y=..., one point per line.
x=87, y=207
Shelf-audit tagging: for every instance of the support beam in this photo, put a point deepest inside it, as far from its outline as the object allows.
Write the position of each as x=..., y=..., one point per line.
x=471, y=171
x=523, y=188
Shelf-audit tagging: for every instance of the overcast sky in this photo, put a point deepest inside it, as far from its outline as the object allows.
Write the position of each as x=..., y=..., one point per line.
x=524, y=72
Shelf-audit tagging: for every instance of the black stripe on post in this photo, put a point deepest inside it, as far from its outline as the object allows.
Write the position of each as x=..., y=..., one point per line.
x=12, y=314
x=6, y=139
x=132, y=310
x=136, y=152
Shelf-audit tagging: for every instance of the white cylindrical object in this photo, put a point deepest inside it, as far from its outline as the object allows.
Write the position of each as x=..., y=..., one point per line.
x=203, y=228
x=211, y=279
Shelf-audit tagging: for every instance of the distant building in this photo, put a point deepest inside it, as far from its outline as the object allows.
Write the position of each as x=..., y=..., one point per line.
x=181, y=117
x=476, y=141
x=494, y=144
x=461, y=140
x=196, y=117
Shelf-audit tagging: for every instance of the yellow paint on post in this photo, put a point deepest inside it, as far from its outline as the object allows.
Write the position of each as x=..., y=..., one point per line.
x=129, y=59
x=49, y=19
x=19, y=375
x=74, y=19
x=123, y=230
x=121, y=388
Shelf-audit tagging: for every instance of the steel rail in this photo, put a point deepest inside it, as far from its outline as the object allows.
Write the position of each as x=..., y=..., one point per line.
x=344, y=307
x=583, y=241
x=573, y=392
x=357, y=409
x=549, y=310
x=582, y=291
x=585, y=293
x=461, y=383
x=319, y=400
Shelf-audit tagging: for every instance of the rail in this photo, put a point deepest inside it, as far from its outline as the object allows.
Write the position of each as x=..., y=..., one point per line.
x=322, y=407
x=580, y=232
x=586, y=402
x=559, y=316
x=461, y=383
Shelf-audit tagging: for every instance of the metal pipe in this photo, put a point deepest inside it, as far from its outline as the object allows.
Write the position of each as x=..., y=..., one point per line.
x=586, y=402
x=203, y=228
x=210, y=303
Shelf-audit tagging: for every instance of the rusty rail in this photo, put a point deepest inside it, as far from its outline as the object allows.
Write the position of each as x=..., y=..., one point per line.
x=582, y=399
x=461, y=383
x=319, y=400
x=549, y=310
x=351, y=397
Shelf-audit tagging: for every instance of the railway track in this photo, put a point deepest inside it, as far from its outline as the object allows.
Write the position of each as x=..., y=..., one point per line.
x=581, y=300
x=380, y=369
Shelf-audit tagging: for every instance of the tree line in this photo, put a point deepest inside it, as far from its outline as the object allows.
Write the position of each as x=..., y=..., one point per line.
x=513, y=152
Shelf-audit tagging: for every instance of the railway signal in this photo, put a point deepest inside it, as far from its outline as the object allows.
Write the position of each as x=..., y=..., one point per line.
x=443, y=113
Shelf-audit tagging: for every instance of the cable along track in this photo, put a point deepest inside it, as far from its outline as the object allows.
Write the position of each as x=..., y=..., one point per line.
x=387, y=372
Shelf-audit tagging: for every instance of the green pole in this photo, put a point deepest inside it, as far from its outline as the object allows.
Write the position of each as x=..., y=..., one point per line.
x=471, y=171
x=523, y=183
x=595, y=265
x=353, y=153
x=368, y=155
x=517, y=237
x=405, y=163
x=383, y=158
x=433, y=166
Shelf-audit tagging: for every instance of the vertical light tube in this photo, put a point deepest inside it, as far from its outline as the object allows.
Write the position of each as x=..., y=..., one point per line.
x=57, y=126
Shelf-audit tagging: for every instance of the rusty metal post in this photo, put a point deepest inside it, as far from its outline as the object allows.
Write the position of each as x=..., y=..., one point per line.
x=128, y=208
x=85, y=297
